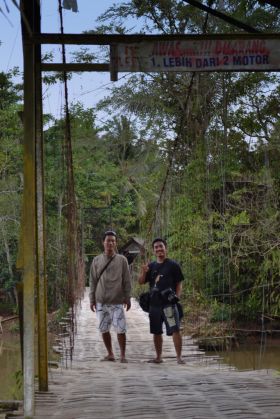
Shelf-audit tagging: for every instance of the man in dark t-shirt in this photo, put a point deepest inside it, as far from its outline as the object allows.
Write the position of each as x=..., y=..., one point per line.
x=165, y=280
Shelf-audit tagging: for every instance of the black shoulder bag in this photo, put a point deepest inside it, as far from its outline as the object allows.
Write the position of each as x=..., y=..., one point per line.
x=145, y=300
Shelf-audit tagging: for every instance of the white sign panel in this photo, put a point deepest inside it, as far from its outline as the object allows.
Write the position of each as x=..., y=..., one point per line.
x=200, y=55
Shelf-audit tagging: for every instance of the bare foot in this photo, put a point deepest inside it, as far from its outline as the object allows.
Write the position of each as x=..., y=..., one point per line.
x=180, y=361
x=123, y=360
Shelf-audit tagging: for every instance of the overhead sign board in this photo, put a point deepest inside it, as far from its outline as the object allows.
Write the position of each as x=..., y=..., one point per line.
x=199, y=55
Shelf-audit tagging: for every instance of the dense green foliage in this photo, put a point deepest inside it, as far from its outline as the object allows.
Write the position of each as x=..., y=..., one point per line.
x=11, y=178
x=218, y=199
x=192, y=157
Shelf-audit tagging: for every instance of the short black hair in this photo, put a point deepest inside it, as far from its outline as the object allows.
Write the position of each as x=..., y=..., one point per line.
x=109, y=233
x=159, y=239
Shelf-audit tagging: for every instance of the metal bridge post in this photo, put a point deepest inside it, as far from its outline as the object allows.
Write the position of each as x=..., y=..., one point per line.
x=33, y=212
x=40, y=217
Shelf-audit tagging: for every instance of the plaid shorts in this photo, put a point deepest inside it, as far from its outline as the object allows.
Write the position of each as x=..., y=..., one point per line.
x=111, y=314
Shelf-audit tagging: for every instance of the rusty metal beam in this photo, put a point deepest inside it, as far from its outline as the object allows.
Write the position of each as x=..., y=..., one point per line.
x=74, y=67
x=33, y=213
x=40, y=219
x=222, y=16
x=93, y=39
x=113, y=62
x=29, y=214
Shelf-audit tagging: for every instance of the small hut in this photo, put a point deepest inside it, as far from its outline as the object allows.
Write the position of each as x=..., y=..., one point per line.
x=133, y=248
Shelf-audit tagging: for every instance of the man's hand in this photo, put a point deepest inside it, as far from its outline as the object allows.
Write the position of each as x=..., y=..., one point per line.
x=127, y=304
x=93, y=307
x=144, y=269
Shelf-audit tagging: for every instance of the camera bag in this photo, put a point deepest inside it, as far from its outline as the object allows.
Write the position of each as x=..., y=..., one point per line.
x=144, y=301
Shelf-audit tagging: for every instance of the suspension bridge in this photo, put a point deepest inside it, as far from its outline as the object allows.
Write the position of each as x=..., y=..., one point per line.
x=89, y=388
x=85, y=387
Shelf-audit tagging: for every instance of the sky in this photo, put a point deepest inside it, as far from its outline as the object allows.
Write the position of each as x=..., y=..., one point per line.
x=88, y=87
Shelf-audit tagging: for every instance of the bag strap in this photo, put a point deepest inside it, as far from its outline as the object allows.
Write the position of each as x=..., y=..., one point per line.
x=104, y=268
x=158, y=270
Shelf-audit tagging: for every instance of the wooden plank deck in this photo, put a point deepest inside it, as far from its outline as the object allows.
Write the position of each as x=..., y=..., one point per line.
x=91, y=389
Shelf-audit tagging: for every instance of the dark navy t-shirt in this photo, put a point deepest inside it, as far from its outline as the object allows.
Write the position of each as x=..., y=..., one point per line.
x=169, y=273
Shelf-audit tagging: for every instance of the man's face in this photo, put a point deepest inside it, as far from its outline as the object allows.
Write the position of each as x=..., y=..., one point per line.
x=110, y=244
x=160, y=250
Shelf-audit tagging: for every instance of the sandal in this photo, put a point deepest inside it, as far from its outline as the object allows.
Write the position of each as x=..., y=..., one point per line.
x=108, y=358
x=155, y=361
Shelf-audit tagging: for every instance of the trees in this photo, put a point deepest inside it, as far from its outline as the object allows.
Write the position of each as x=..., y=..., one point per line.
x=190, y=156
x=216, y=197
x=11, y=177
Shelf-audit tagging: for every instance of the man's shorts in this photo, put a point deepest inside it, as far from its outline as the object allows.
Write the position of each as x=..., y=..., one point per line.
x=168, y=315
x=111, y=314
